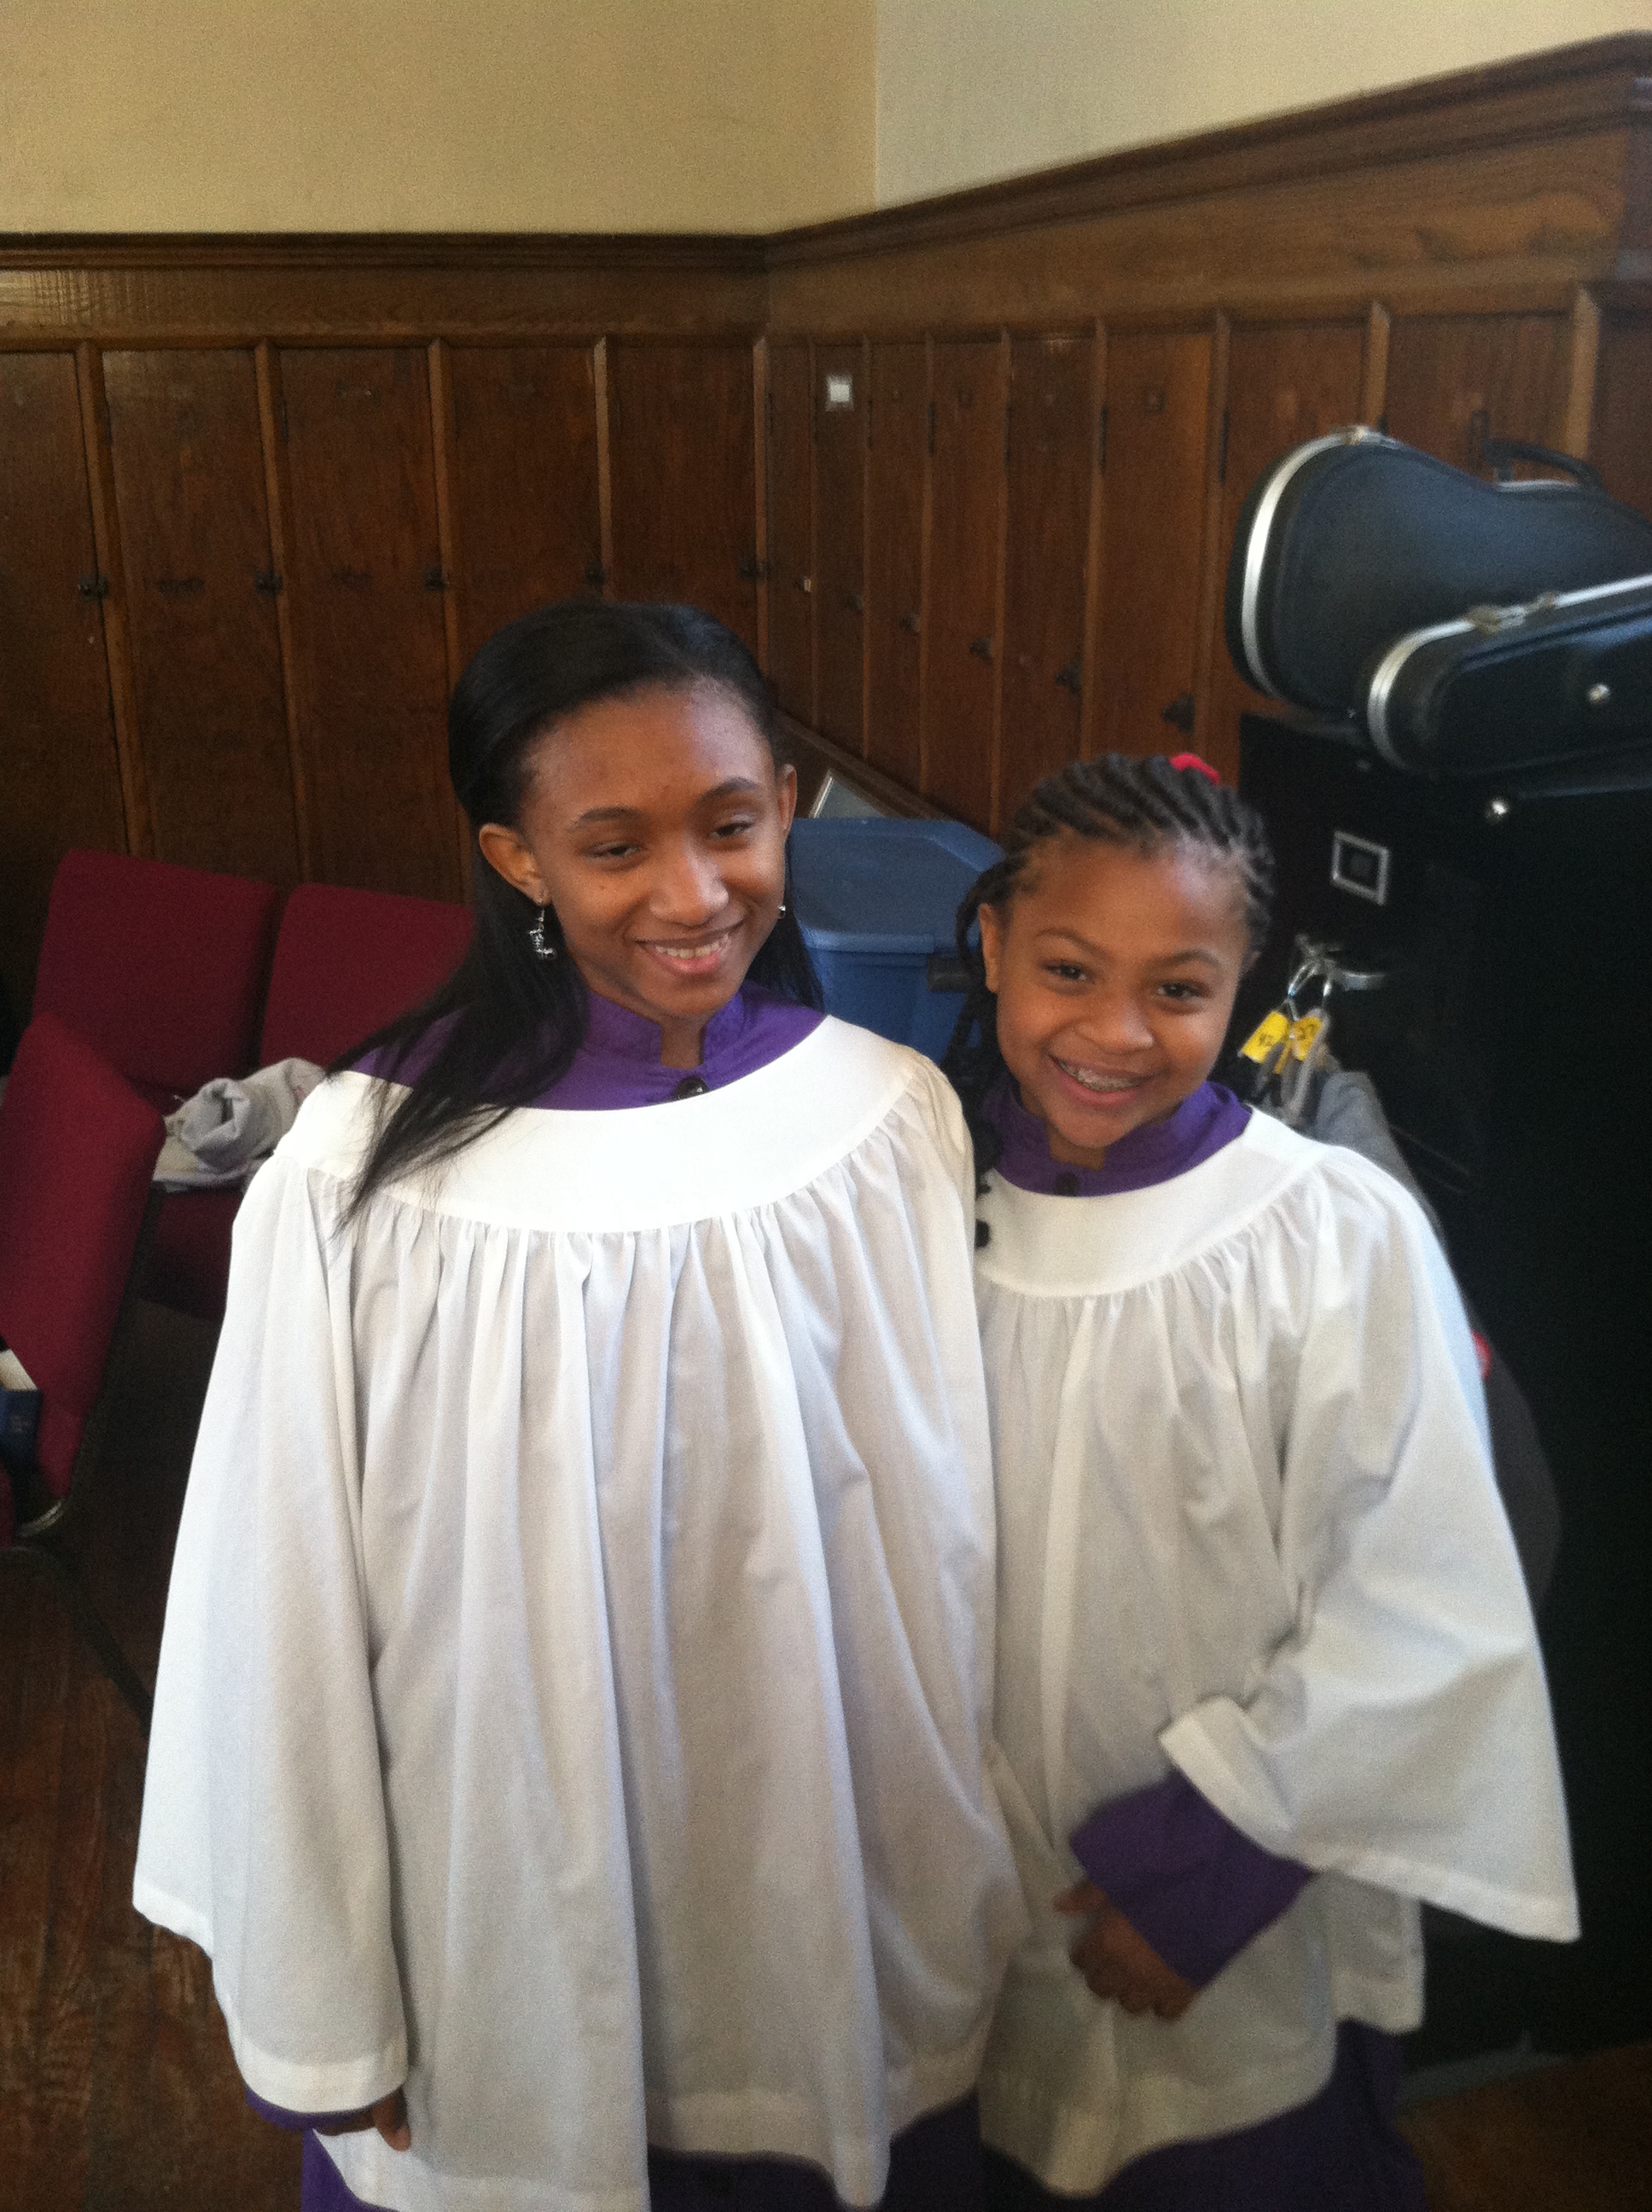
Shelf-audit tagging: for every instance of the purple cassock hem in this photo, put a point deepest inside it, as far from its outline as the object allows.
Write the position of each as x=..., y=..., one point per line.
x=1340, y=2152
x=934, y=2166
x=1207, y=1119
x=1183, y=1876
x=618, y=1063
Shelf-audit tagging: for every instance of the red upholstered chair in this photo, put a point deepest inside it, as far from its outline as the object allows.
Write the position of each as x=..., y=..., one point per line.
x=160, y=968
x=77, y=1148
x=346, y=963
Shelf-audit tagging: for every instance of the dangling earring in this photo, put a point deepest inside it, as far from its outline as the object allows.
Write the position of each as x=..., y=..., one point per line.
x=537, y=938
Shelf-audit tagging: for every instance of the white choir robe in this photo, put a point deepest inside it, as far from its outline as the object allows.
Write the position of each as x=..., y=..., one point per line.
x=576, y=1683
x=1247, y=1526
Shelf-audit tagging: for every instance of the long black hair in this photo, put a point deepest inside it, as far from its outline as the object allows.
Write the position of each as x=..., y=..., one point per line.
x=507, y=1023
x=1142, y=805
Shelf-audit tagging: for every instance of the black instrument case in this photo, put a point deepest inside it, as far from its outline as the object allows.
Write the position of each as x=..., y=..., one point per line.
x=1352, y=540
x=1508, y=687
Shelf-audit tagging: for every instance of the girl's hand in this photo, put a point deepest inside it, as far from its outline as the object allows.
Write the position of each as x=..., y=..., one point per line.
x=1118, y=1963
x=388, y=2115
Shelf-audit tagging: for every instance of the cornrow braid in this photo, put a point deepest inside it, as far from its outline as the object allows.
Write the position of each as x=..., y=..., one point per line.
x=1143, y=805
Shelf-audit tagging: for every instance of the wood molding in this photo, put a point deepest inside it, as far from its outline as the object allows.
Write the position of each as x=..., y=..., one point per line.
x=1572, y=90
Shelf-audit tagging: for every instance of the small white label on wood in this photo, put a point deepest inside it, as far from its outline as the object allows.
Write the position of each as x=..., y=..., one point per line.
x=840, y=392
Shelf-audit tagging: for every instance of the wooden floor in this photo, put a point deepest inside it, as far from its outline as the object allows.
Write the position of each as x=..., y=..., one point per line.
x=118, y=2093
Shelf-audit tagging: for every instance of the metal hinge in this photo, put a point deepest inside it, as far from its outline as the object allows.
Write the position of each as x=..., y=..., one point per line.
x=94, y=587
x=266, y=580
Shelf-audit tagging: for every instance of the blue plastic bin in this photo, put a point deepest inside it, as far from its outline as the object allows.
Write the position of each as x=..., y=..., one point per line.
x=877, y=900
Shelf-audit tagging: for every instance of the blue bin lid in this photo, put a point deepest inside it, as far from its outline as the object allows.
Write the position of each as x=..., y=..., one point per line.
x=885, y=886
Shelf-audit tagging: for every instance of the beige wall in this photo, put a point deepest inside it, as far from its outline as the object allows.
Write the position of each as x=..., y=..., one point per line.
x=434, y=114
x=973, y=89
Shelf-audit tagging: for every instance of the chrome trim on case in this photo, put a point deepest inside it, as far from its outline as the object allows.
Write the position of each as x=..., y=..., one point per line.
x=1387, y=670
x=1261, y=523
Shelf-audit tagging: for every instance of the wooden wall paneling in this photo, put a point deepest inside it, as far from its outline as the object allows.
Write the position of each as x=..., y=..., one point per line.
x=1455, y=379
x=1051, y=448
x=1094, y=564
x=525, y=495
x=760, y=479
x=1287, y=382
x=444, y=454
x=1153, y=483
x=965, y=548
x=106, y=536
x=368, y=621
x=62, y=783
x=840, y=544
x=682, y=446
x=1583, y=351
x=1208, y=617
x=602, y=377
x=898, y=439
x=790, y=530
x=279, y=506
x=202, y=586
x=1374, y=383
x=1621, y=444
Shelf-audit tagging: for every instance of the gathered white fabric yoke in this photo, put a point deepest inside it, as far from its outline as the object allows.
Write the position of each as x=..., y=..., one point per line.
x=577, y=1669
x=1248, y=1527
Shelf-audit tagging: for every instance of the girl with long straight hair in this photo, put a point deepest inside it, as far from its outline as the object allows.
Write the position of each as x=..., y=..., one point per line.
x=569, y=1738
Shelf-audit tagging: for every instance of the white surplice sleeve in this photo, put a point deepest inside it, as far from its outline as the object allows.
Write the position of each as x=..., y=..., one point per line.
x=263, y=1836
x=1400, y=1733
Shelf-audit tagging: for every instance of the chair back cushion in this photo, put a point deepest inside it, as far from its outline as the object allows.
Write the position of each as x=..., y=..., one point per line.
x=347, y=962
x=77, y=1148
x=160, y=968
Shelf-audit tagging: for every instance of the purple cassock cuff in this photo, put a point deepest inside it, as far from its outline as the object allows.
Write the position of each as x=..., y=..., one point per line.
x=1184, y=1877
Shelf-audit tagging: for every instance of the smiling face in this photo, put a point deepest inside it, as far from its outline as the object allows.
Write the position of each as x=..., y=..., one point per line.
x=1115, y=972
x=655, y=825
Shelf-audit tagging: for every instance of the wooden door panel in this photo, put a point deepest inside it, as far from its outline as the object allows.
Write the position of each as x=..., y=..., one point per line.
x=967, y=505
x=1621, y=444
x=1051, y=444
x=840, y=543
x=791, y=531
x=526, y=510
x=684, y=465
x=57, y=726
x=194, y=519
x=899, y=432
x=1454, y=379
x=367, y=615
x=1286, y=383
x=1153, y=494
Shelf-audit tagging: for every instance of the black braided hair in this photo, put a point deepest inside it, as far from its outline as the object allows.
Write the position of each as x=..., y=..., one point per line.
x=1142, y=805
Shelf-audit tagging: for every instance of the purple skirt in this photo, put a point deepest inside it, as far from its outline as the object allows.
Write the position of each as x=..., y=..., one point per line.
x=934, y=2166
x=1340, y=2152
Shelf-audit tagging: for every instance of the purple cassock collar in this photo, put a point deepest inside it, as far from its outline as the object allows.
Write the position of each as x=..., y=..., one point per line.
x=1205, y=1120
x=618, y=1062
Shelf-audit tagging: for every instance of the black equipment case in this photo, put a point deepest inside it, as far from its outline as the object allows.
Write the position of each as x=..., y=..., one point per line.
x=1352, y=540
x=1508, y=687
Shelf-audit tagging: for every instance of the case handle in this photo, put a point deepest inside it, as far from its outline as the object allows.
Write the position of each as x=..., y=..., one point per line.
x=1500, y=454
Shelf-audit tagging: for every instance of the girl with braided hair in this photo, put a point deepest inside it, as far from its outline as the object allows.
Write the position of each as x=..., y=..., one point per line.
x=1266, y=1673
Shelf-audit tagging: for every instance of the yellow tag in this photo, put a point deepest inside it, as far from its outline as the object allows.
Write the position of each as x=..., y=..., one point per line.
x=1303, y=1033
x=1265, y=1037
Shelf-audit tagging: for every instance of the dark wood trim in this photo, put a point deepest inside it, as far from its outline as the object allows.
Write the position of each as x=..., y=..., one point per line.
x=279, y=499
x=1588, y=87
x=797, y=737
x=111, y=567
x=727, y=253
x=1209, y=571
